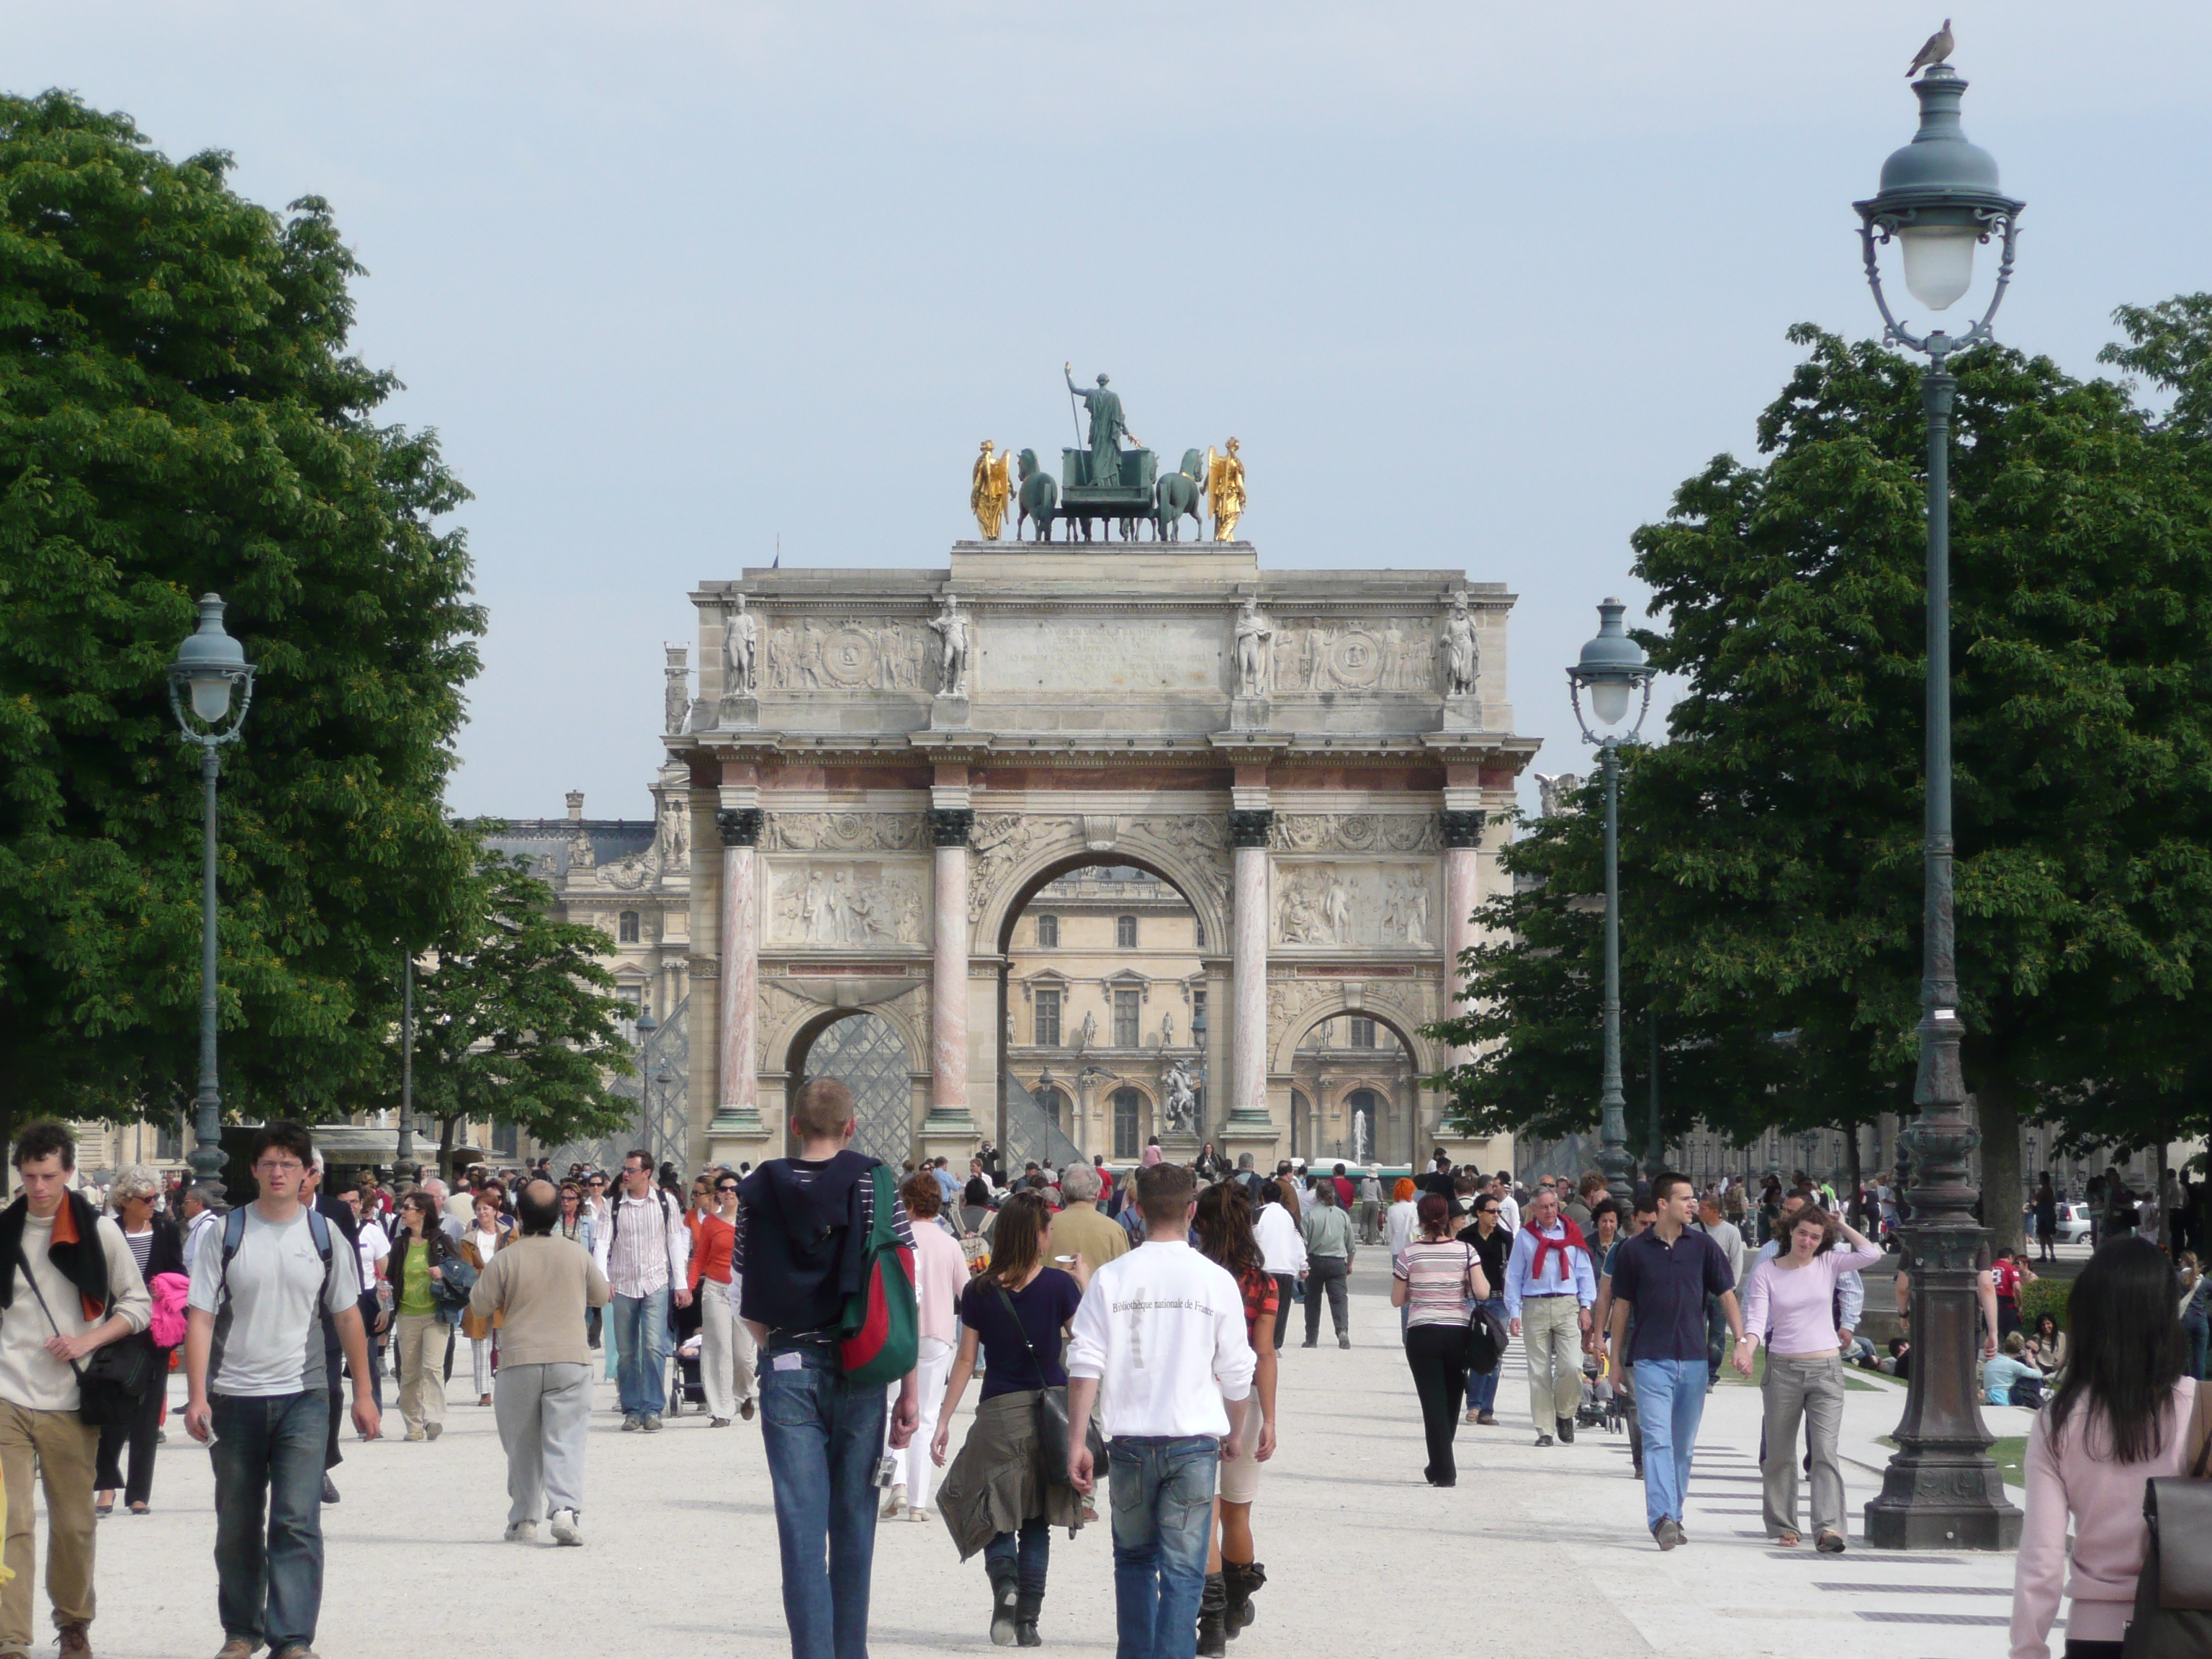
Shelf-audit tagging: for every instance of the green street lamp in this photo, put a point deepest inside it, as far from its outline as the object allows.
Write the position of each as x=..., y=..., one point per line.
x=1613, y=670
x=1940, y=201
x=211, y=673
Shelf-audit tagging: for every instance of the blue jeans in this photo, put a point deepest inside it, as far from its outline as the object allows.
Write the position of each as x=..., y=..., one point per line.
x=268, y=1456
x=2195, y=1330
x=1026, y=1554
x=1482, y=1386
x=641, y=1333
x=1162, y=1493
x=1670, y=1403
x=823, y=1437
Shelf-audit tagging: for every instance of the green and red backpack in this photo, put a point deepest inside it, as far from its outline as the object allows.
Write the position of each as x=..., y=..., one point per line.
x=879, y=1338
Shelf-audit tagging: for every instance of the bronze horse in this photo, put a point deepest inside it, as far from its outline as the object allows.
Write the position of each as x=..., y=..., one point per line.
x=1039, y=496
x=1180, y=492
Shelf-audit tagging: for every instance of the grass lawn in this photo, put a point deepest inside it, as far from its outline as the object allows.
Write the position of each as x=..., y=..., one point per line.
x=2010, y=1451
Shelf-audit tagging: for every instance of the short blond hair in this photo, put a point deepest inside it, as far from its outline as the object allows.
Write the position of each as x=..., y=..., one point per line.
x=823, y=1108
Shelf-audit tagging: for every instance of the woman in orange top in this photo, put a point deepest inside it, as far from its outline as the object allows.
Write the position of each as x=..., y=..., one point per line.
x=726, y=1351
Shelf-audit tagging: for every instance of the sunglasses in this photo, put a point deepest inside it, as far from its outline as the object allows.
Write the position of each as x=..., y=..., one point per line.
x=732, y=1188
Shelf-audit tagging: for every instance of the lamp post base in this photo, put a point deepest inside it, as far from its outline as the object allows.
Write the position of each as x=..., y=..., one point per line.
x=1942, y=1499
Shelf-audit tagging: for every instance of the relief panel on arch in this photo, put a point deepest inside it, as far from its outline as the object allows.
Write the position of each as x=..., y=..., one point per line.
x=848, y=904
x=1333, y=906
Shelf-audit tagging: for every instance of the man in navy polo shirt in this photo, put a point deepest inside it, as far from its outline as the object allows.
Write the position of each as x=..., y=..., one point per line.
x=1663, y=1277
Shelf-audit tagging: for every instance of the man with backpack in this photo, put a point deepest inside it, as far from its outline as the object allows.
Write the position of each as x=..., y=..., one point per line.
x=258, y=1388
x=804, y=1228
x=645, y=1252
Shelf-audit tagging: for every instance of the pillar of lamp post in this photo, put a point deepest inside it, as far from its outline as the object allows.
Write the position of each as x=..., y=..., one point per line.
x=406, y=1152
x=646, y=1025
x=210, y=672
x=1940, y=200
x=1613, y=670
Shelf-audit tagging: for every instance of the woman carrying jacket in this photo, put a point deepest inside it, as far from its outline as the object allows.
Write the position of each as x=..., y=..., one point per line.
x=999, y=1496
x=429, y=1282
x=159, y=1247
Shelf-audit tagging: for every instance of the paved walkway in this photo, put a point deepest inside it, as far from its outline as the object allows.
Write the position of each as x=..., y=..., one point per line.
x=1534, y=1550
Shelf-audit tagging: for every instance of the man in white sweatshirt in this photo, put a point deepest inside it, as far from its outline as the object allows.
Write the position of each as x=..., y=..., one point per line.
x=1162, y=1328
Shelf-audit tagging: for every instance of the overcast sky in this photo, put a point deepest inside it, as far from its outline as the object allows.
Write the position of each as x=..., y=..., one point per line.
x=1476, y=285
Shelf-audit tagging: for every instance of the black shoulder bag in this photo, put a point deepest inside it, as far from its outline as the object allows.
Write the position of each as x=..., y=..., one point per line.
x=112, y=1380
x=1051, y=1404
x=2173, y=1592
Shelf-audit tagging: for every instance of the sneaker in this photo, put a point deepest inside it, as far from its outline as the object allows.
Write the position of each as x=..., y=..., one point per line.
x=632, y=1425
x=76, y=1643
x=894, y=1501
x=1343, y=1341
x=1566, y=1430
x=1311, y=1342
x=1488, y=1419
x=522, y=1532
x=1667, y=1531
x=718, y=1422
x=650, y=1422
x=1543, y=1439
x=565, y=1530
x=416, y=1434
x=330, y=1491
x=434, y=1430
x=1474, y=1417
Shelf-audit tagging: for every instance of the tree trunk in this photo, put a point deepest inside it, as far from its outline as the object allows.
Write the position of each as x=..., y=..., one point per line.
x=2001, y=1188
x=1858, y=1172
x=446, y=1126
x=2159, y=1201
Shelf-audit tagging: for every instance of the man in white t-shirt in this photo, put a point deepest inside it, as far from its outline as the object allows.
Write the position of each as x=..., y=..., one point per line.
x=259, y=1386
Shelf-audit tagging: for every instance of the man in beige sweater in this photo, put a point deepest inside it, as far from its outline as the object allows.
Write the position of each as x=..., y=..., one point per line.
x=542, y=1396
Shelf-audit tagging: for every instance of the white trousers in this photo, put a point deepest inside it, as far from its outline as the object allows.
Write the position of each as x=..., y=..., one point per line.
x=913, y=1466
x=480, y=1359
x=728, y=1356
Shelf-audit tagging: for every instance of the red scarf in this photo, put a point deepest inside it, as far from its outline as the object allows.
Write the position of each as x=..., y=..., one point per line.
x=1573, y=1240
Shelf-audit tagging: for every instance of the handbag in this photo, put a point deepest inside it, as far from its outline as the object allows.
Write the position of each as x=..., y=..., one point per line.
x=2173, y=1592
x=1052, y=1430
x=112, y=1381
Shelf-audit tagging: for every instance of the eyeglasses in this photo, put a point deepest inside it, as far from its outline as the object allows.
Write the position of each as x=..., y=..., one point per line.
x=280, y=1165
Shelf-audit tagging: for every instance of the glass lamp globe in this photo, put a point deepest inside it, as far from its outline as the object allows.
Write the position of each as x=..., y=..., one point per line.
x=210, y=664
x=1939, y=262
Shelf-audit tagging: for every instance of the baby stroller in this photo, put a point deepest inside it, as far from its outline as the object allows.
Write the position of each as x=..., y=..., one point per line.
x=1602, y=1405
x=688, y=1384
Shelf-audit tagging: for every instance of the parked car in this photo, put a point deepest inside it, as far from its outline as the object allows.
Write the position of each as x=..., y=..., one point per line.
x=2073, y=1221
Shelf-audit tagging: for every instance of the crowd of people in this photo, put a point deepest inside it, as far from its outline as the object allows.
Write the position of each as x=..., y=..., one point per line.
x=1117, y=1324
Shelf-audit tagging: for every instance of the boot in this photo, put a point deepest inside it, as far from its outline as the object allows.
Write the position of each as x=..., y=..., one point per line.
x=1241, y=1579
x=1212, y=1619
x=1004, y=1601
x=1027, y=1606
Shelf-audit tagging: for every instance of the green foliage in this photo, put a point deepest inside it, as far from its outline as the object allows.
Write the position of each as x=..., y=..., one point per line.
x=2046, y=1296
x=517, y=1023
x=178, y=414
x=1771, y=858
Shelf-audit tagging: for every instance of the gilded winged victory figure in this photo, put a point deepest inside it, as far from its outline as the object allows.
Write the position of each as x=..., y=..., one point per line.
x=990, y=491
x=1225, y=490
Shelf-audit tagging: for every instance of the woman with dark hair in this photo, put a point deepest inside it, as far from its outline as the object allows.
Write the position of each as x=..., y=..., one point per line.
x=158, y=1247
x=422, y=1256
x=1223, y=1227
x=1434, y=1279
x=2047, y=1347
x=2124, y=1412
x=1283, y=1248
x=999, y=1497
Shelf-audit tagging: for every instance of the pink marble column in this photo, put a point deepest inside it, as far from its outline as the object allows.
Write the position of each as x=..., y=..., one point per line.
x=948, y=989
x=738, y=1099
x=1462, y=839
x=1247, y=965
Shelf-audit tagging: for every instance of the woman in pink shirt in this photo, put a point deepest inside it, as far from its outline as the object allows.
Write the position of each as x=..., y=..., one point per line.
x=2125, y=1413
x=1793, y=1295
x=940, y=1275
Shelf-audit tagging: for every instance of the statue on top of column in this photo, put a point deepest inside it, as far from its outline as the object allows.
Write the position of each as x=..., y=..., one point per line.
x=1463, y=653
x=1254, y=631
x=741, y=648
x=951, y=631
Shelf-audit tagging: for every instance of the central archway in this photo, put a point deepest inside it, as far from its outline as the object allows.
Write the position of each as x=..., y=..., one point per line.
x=1105, y=974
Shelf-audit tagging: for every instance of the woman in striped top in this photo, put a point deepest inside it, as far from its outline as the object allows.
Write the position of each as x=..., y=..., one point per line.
x=1437, y=1278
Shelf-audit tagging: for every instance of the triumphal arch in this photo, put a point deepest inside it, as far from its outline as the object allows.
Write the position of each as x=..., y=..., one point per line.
x=888, y=766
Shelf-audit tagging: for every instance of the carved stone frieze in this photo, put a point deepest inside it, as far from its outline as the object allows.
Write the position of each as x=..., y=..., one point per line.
x=1353, y=832
x=809, y=654
x=843, y=832
x=1000, y=842
x=1329, y=653
x=1346, y=905
x=847, y=903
